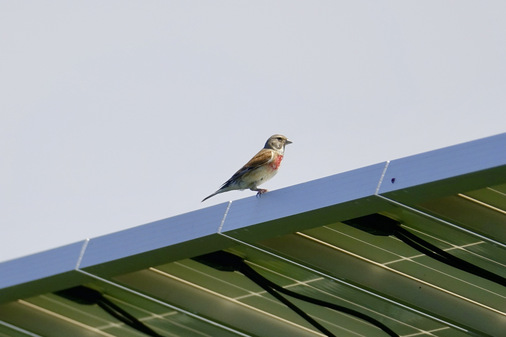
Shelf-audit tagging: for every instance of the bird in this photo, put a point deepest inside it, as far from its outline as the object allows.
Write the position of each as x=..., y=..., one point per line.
x=262, y=167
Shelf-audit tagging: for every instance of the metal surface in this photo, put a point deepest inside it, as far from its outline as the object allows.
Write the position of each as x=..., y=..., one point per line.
x=455, y=198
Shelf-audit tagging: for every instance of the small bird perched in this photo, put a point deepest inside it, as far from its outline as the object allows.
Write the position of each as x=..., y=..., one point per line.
x=262, y=167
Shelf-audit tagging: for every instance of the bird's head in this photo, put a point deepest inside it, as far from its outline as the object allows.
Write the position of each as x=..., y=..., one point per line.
x=277, y=142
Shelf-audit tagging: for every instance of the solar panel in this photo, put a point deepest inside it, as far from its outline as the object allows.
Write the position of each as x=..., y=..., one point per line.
x=300, y=238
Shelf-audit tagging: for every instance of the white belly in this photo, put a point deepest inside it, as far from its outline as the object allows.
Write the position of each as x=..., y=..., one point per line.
x=257, y=177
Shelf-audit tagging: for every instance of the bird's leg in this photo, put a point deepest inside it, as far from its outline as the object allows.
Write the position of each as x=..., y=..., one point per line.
x=259, y=191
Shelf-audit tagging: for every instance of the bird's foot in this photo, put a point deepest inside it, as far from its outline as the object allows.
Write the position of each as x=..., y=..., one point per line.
x=260, y=192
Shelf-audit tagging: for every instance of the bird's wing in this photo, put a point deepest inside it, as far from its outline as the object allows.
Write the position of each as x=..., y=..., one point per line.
x=263, y=157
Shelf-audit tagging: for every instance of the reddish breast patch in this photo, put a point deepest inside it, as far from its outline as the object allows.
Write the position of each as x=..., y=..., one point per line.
x=276, y=162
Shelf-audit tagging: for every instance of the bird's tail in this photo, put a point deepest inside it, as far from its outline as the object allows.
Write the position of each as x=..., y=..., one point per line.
x=227, y=186
x=212, y=195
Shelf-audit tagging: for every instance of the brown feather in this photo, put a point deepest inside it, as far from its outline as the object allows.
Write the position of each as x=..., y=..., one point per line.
x=263, y=157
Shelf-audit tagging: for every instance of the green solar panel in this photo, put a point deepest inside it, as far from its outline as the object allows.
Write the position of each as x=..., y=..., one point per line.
x=301, y=239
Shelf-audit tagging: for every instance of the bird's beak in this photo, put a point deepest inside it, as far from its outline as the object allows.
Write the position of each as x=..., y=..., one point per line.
x=288, y=142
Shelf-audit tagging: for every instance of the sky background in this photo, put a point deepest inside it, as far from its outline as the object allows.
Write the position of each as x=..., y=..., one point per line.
x=118, y=113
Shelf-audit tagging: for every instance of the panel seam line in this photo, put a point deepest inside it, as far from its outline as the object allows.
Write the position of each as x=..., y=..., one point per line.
x=224, y=217
x=81, y=254
x=382, y=176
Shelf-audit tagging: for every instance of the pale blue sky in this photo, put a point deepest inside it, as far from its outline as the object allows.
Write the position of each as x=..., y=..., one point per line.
x=118, y=113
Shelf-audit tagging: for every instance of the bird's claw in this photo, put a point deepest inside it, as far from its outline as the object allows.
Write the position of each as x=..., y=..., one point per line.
x=260, y=192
